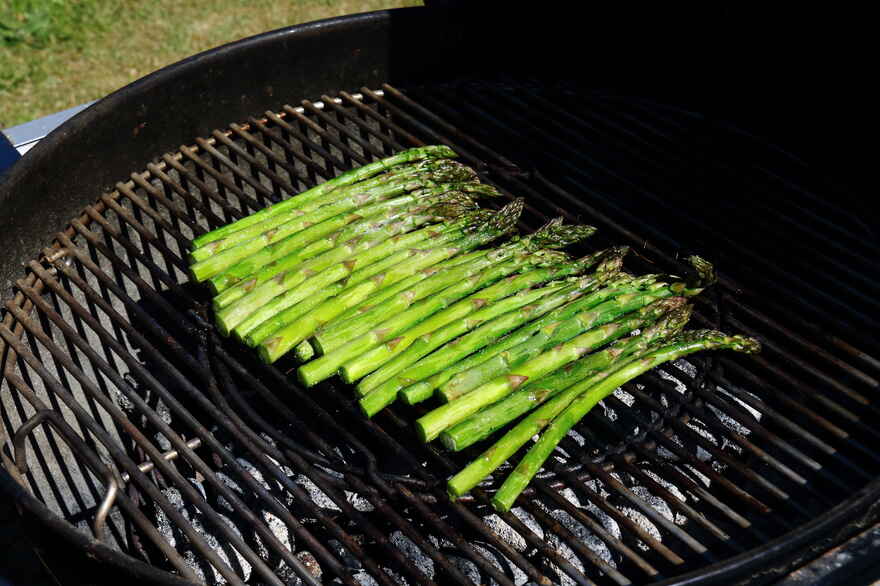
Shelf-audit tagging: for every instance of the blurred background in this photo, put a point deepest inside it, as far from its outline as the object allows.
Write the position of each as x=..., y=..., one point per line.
x=55, y=54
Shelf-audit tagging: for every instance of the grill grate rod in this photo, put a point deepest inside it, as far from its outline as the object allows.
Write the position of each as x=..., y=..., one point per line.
x=181, y=184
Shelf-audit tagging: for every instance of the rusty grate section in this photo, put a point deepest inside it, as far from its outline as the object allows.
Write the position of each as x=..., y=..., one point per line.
x=132, y=420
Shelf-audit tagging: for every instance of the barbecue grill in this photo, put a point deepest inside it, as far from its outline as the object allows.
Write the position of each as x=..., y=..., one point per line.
x=133, y=431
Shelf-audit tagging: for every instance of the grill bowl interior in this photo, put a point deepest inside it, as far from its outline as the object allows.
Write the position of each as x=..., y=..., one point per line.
x=709, y=461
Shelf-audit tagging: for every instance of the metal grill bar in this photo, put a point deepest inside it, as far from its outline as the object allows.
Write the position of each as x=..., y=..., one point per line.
x=732, y=465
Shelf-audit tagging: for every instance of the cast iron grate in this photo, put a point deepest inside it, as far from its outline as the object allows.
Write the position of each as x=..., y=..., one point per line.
x=132, y=420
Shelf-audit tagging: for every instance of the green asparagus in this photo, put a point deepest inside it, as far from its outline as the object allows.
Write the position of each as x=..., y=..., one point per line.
x=586, y=394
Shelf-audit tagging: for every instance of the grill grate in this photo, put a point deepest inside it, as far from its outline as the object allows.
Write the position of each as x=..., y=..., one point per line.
x=133, y=420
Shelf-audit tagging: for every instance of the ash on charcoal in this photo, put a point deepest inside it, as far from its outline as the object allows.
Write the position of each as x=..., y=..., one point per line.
x=364, y=579
x=358, y=502
x=582, y=534
x=318, y=496
x=254, y=472
x=528, y=520
x=419, y=559
x=242, y=566
x=519, y=577
x=505, y=532
x=656, y=503
x=679, y=386
x=279, y=530
x=698, y=475
x=729, y=421
x=625, y=397
x=566, y=552
x=642, y=521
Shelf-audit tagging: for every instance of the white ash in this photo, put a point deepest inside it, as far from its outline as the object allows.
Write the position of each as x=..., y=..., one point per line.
x=729, y=422
x=192, y=559
x=519, y=577
x=665, y=454
x=610, y=413
x=699, y=475
x=285, y=469
x=358, y=502
x=466, y=567
x=689, y=368
x=254, y=472
x=121, y=398
x=568, y=554
x=318, y=496
x=754, y=412
x=344, y=555
x=364, y=579
x=680, y=387
x=578, y=438
x=626, y=398
x=412, y=552
x=528, y=520
x=642, y=521
x=719, y=467
x=671, y=487
x=279, y=530
x=505, y=532
x=584, y=535
x=659, y=504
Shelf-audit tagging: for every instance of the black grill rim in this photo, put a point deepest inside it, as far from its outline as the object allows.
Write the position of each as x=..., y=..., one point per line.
x=31, y=231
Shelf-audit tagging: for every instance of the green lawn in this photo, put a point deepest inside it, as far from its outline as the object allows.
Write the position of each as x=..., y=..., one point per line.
x=55, y=54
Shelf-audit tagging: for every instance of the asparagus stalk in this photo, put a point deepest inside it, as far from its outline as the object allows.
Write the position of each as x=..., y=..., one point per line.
x=411, y=392
x=303, y=282
x=547, y=337
x=553, y=235
x=590, y=392
x=486, y=228
x=429, y=426
x=386, y=293
x=455, y=358
x=327, y=365
x=376, y=270
x=287, y=253
x=524, y=305
x=385, y=362
x=483, y=423
x=329, y=205
x=345, y=179
x=219, y=262
x=264, y=298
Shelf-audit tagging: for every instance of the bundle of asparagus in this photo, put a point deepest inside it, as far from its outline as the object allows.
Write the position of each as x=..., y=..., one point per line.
x=383, y=276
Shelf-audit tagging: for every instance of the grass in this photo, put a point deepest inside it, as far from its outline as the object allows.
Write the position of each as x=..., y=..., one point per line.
x=55, y=54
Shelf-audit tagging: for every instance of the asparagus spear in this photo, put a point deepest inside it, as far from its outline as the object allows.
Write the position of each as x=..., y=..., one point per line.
x=429, y=426
x=411, y=392
x=486, y=228
x=483, y=423
x=332, y=204
x=385, y=362
x=345, y=179
x=302, y=283
x=263, y=300
x=217, y=263
x=287, y=253
x=446, y=362
x=327, y=365
x=383, y=294
x=375, y=273
x=703, y=275
x=547, y=337
x=590, y=392
x=524, y=305
x=553, y=235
